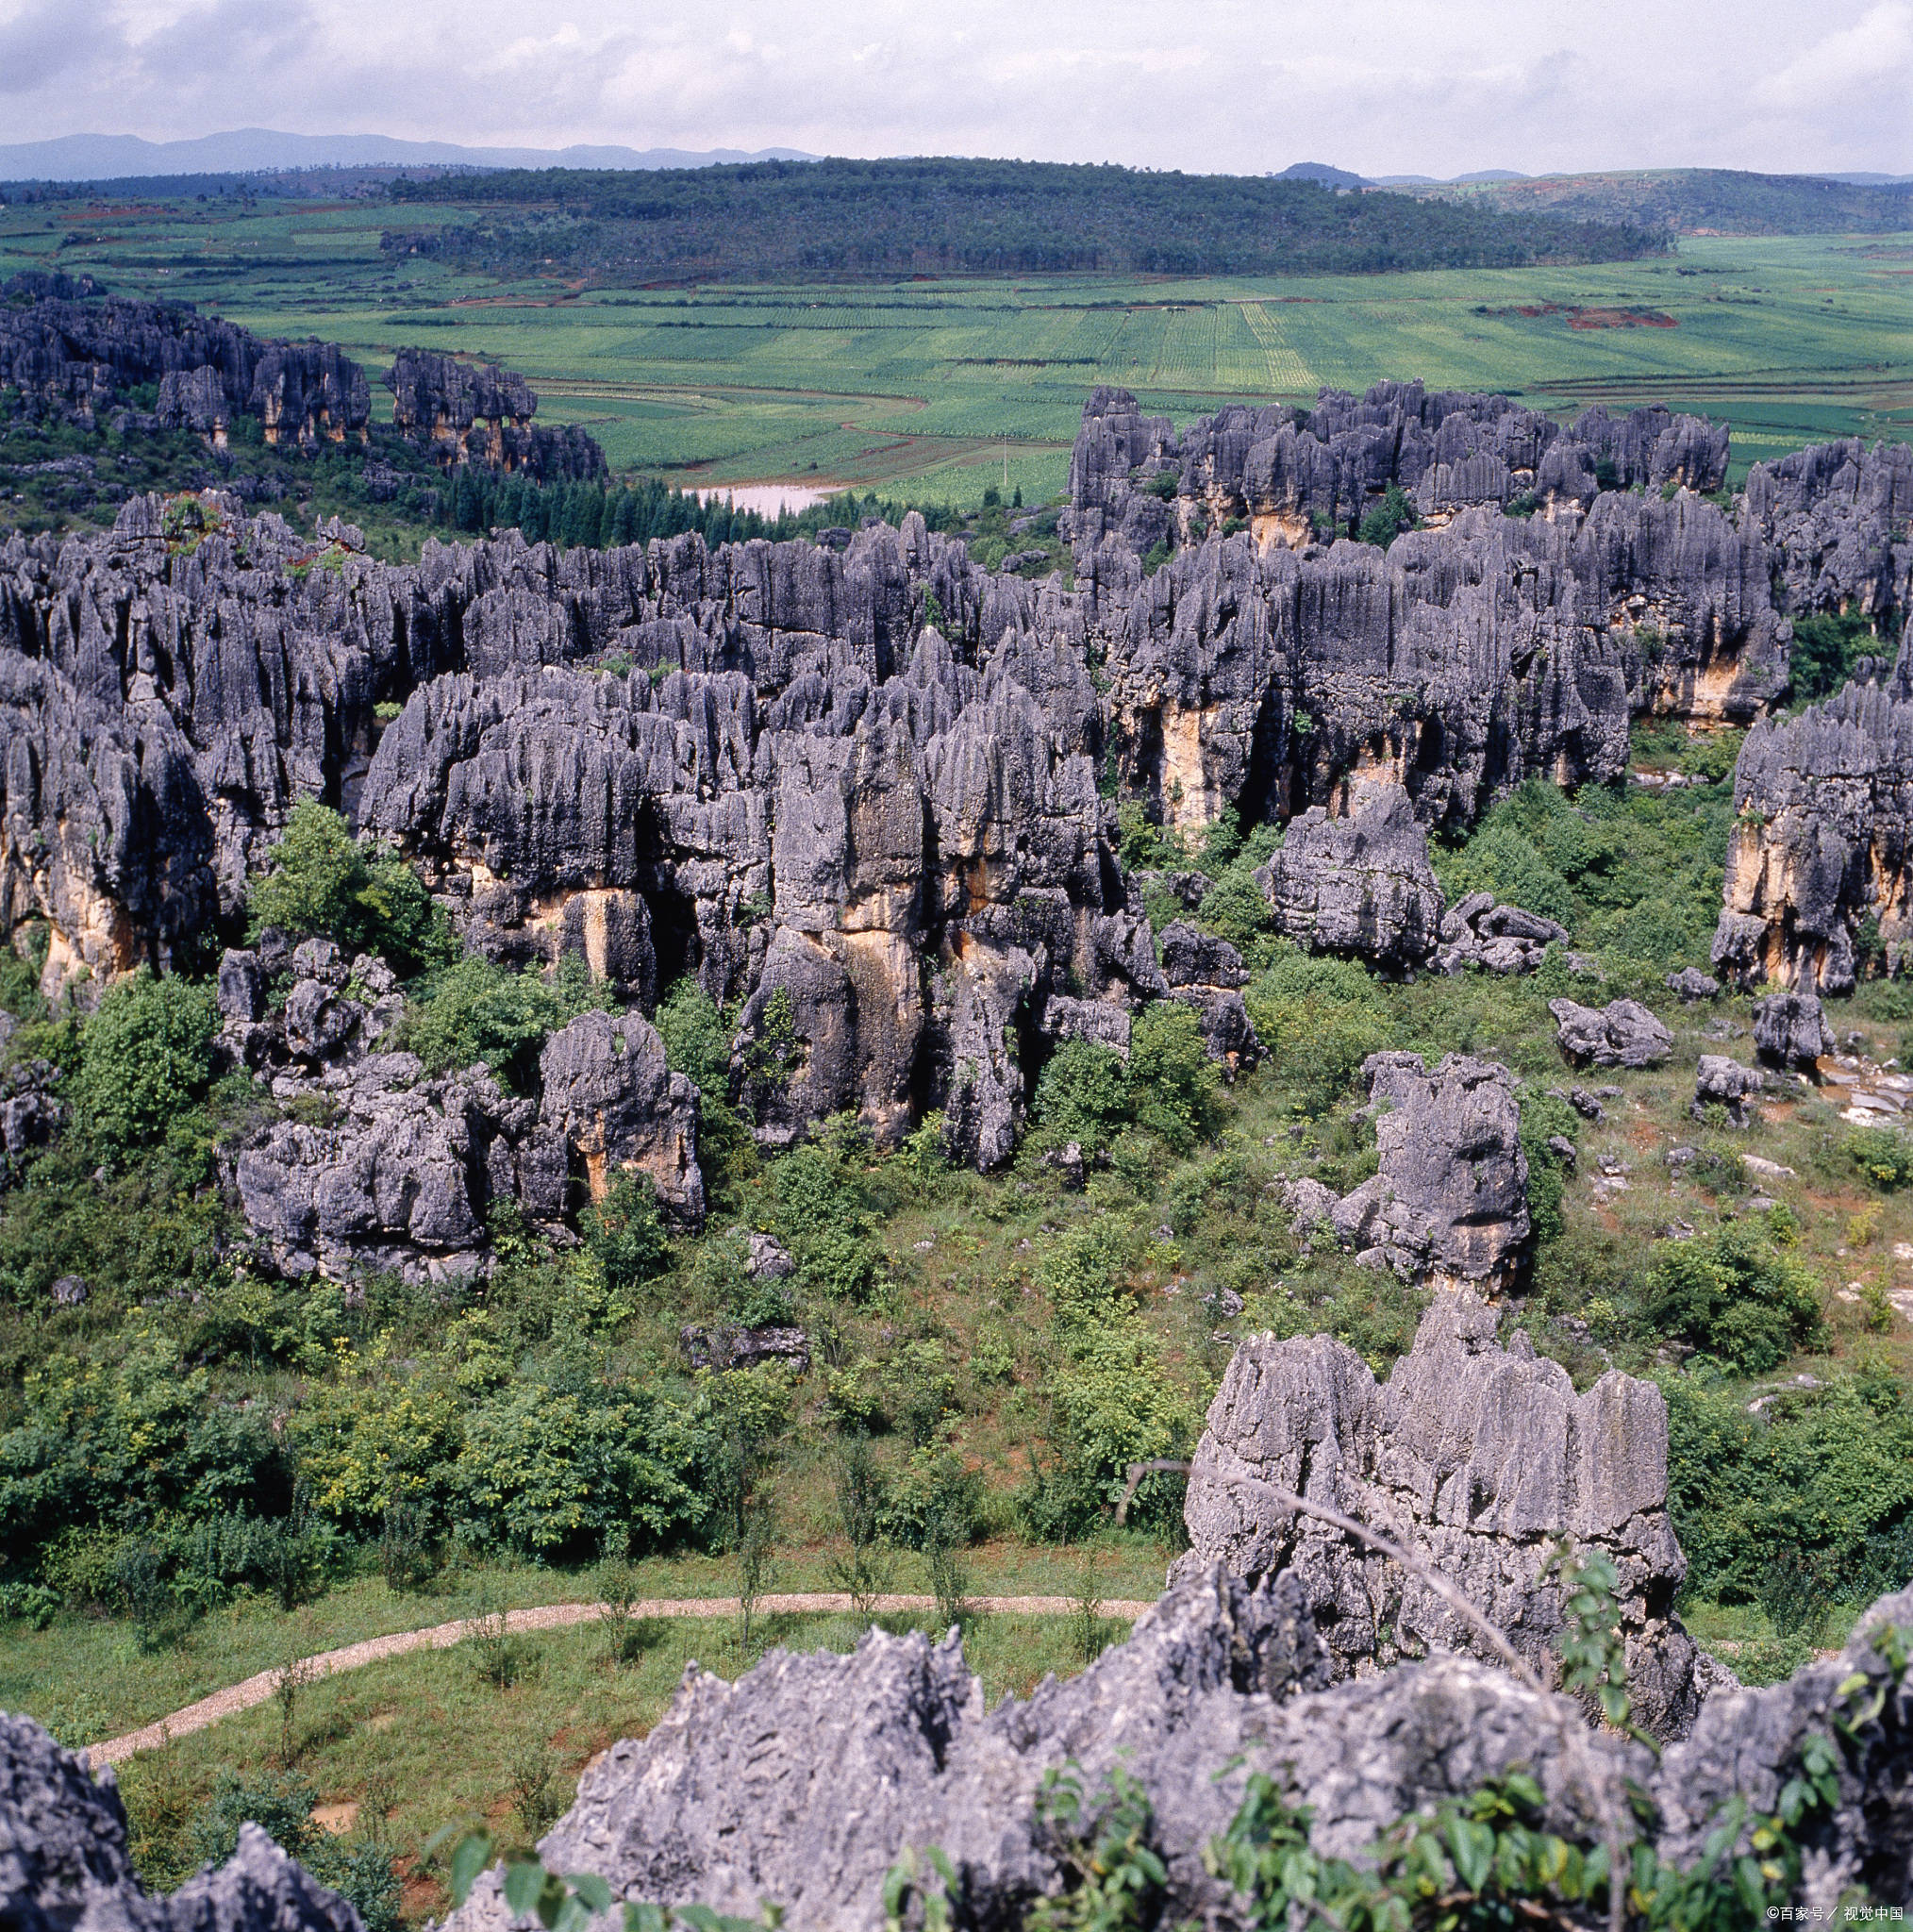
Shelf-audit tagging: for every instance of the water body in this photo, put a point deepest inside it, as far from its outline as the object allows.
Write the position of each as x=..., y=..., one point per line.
x=767, y=499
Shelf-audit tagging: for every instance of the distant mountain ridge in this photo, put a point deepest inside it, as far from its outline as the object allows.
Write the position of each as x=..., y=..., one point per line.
x=247, y=150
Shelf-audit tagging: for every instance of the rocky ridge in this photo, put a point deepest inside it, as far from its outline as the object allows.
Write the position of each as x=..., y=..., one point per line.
x=378, y=1166
x=64, y=1859
x=861, y=789
x=1479, y=1459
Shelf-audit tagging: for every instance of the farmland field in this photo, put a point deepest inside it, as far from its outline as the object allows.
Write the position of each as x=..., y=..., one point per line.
x=920, y=387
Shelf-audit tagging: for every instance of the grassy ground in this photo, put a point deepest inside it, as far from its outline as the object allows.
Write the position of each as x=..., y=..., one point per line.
x=391, y=1747
x=92, y=1677
x=1794, y=339
x=968, y=1337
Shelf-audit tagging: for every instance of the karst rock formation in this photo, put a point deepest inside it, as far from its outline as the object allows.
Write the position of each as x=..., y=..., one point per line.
x=867, y=793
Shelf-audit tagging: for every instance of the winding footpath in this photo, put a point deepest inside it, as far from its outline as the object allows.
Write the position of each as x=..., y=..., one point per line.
x=260, y=1689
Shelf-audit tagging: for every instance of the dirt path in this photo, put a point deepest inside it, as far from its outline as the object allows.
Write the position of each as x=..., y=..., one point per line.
x=258, y=1689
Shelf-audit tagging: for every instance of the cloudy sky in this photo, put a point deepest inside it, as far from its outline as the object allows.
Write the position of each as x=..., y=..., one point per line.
x=1383, y=86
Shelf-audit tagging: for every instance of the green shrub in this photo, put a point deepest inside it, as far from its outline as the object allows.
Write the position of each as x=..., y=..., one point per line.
x=1543, y=1117
x=1318, y=1019
x=561, y=1464
x=1082, y=1093
x=324, y=882
x=1174, y=1089
x=1882, y=1156
x=146, y=1058
x=1731, y=1295
x=825, y=1217
x=1825, y=650
x=1393, y=514
x=697, y=1035
x=1233, y=907
x=280, y=1804
x=474, y=1010
x=1821, y=1481
x=625, y=1233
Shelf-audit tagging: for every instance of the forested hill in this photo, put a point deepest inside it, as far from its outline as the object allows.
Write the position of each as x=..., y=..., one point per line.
x=902, y=217
x=1721, y=201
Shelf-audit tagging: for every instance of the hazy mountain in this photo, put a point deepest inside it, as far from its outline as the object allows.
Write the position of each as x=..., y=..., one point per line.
x=244, y=150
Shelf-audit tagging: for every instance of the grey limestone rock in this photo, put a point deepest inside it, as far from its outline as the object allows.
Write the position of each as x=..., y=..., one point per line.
x=1360, y=884
x=1690, y=984
x=1497, y=938
x=1479, y=1459
x=64, y=1861
x=1449, y=1200
x=1824, y=804
x=606, y=1093
x=1791, y=1031
x=1723, y=1082
x=1622, y=1034
x=737, y=1796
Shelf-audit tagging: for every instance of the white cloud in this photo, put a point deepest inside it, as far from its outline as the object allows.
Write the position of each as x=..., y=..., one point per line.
x=1385, y=86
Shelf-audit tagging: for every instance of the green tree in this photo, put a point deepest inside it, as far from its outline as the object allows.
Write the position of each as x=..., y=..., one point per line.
x=1175, y=1089
x=626, y=1233
x=477, y=1011
x=1389, y=517
x=324, y=882
x=145, y=1058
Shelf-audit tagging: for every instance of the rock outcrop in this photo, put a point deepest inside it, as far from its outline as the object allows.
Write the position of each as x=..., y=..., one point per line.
x=378, y=1166
x=888, y=841
x=737, y=1796
x=1479, y=1459
x=64, y=1859
x=1822, y=844
x=77, y=352
x=1620, y=1033
x=1725, y=1083
x=1448, y=1202
x=475, y=413
x=1360, y=884
x=1791, y=1031
x=1495, y=939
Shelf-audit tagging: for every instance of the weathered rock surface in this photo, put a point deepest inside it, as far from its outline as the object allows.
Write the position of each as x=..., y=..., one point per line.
x=76, y=350
x=1208, y=974
x=1479, y=1459
x=380, y=1167
x=1360, y=884
x=885, y=841
x=64, y=1861
x=473, y=413
x=1824, y=817
x=737, y=1795
x=1721, y=1082
x=1475, y=931
x=1689, y=985
x=1449, y=1201
x=1791, y=1031
x=1620, y=1033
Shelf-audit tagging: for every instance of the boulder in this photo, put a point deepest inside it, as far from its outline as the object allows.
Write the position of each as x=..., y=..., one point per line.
x=1721, y=1082
x=1791, y=1031
x=1360, y=885
x=1449, y=1199
x=1207, y=974
x=64, y=1859
x=1622, y=1034
x=1689, y=985
x=729, y=1345
x=1479, y=1459
x=616, y=1107
x=1475, y=931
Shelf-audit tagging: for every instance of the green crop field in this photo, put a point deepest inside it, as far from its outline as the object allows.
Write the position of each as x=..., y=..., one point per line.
x=934, y=384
